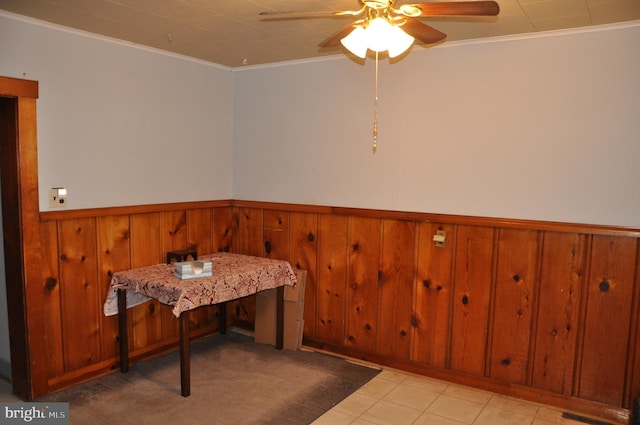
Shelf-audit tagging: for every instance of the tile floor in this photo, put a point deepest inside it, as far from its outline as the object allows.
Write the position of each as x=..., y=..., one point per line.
x=398, y=398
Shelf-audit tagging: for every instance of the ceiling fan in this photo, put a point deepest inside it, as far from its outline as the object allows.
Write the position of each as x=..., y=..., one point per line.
x=404, y=17
x=381, y=26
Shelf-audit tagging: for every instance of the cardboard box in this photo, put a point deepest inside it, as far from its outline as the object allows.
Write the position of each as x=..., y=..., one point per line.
x=265, y=323
x=296, y=293
x=293, y=336
x=293, y=311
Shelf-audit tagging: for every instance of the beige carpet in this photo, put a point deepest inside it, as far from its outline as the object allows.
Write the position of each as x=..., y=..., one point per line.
x=233, y=381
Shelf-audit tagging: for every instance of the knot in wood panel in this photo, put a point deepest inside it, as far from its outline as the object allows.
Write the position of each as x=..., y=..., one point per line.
x=604, y=286
x=50, y=283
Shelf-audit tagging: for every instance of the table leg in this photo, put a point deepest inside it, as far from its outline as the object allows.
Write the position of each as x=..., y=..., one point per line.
x=280, y=317
x=185, y=373
x=223, y=318
x=123, y=331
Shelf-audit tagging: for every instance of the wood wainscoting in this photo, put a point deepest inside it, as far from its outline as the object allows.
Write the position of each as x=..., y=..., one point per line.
x=538, y=310
x=80, y=251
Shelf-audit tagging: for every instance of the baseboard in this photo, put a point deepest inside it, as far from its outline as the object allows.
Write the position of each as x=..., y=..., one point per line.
x=241, y=331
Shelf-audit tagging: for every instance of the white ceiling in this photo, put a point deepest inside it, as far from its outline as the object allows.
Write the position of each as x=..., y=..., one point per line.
x=230, y=32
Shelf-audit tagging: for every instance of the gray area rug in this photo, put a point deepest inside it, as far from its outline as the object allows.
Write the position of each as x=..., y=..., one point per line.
x=233, y=381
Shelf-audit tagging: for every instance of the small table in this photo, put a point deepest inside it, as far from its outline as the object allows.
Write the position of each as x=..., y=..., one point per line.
x=234, y=276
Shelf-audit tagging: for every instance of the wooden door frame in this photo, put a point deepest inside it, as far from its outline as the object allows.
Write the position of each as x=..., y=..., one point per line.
x=21, y=219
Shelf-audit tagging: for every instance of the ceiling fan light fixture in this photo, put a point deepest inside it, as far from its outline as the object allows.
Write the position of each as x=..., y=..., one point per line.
x=379, y=35
x=356, y=42
x=399, y=41
x=379, y=26
x=411, y=10
x=379, y=31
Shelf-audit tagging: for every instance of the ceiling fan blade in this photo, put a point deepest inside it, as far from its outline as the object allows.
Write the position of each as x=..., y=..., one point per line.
x=456, y=8
x=422, y=32
x=334, y=39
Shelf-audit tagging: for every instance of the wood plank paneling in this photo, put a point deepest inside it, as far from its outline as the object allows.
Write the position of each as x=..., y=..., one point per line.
x=115, y=254
x=473, y=277
x=174, y=231
x=332, y=278
x=52, y=299
x=225, y=239
x=250, y=242
x=633, y=372
x=200, y=230
x=363, y=289
x=103, y=245
x=250, y=231
x=396, y=293
x=276, y=234
x=146, y=242
x=81, y=294
x=200, y=238
x=304, y=248
x=146, y=250
x=561, y=278
x=224, y=230
x=514, y=303
x=607, y=323
x=174, y=238
x=433, y=284
x=542, y=312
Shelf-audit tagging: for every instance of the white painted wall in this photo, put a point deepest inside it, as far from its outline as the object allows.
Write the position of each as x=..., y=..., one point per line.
x=121, y=125
x=538, y=128
x=542, y=128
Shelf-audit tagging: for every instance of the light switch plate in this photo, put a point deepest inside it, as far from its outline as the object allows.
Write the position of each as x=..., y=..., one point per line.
x=440, y=238
x=57, y=197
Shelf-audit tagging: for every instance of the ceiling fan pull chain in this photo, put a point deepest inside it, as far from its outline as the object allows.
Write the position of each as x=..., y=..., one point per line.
x=375, y=112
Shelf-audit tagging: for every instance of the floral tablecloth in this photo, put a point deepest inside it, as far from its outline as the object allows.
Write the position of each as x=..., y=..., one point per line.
x=234, y=276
